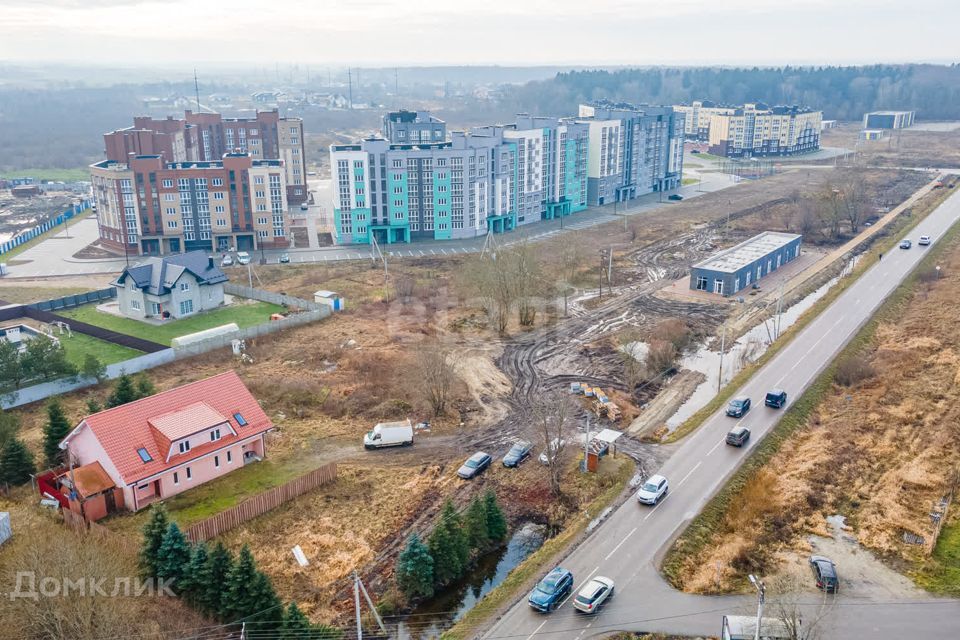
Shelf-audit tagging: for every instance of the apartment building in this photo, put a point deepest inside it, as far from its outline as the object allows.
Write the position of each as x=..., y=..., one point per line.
x=149, y=206
x=633, y=150
x=414, y=183
x=697, y=116
x=758, y=130
x=208, y=136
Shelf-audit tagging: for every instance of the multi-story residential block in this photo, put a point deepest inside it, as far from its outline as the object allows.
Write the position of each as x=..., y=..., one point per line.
x=758, y=130
x=414, y=183
x=697, y=116
x=888, y=119
x=207, y=137
x=634, y=150
x=147, y=206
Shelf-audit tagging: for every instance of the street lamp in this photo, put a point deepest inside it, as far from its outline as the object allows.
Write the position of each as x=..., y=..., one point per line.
x=761, y=592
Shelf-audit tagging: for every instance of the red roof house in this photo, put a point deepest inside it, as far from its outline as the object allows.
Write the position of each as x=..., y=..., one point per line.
x=175, y=440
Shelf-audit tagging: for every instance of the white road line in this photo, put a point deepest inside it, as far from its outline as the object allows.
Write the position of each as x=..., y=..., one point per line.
x=444, y=251
x=715, y=446
x=620, y=544
x=689, y=473
x=421, y=251
x=536, y=630
x=432, y=252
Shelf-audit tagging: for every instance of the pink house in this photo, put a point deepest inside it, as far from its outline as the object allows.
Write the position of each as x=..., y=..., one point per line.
x=159, y=446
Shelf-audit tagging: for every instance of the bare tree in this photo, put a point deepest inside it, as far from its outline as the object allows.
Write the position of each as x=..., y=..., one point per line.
x=633, y=363
x=570, y=256
x=801, y=621
x=805, y=218
x=830, y=209
x=404, y=287
x=530, y=286
x=854, y=201
x=436, y=373
x=489, y=278
x=553, y=419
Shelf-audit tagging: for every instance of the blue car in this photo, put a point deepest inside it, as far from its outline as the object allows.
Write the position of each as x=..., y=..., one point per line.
x=550, y=591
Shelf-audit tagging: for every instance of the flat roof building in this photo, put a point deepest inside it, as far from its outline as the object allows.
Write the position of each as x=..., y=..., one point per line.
x=759, y=130
x=744, y=264
x=888, y=119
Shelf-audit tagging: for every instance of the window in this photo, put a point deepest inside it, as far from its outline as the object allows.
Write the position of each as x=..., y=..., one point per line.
x=701, y=283
x=168, y=183
x=261, y=221
x=260, y=194
x=135, y=304
x=220, y=221
x=218, y=195
x=172, y=224
x=258, y=180
x=216, y=462
x=240, y=419
x=144, y=455
x=189, y=473
x=229, y=457
x=171, y=211
x=184, y=446
x=176, y=478
x=169, y=197
x=186, y=306
x=184, y=286
x=217, y=182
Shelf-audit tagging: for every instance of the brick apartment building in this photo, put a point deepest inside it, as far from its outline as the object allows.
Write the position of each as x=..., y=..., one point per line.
x=207, y=137
x=147, y=205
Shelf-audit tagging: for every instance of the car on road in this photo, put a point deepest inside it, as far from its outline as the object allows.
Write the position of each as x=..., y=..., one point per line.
x=825, y=573
x=227, y=261
x=738, y=407
x=923, y=241
x=905, y=244
x=304, y=207
x=243, y=257
x=551, y=590
x=284, y=258
x=675, y=196
x=593, y=594
x=653, y=490
x=555, y=444
x=519, y=452
x=738, y=436
x=475, y=465
x=775, y=398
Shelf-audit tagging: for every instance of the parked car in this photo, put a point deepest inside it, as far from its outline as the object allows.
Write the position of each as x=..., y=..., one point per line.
x=675, y=196
x=826, y=573
x=653, y=490
x=243, y=257
x=694, y=150
x=475, y=465
x=738, y=407
x=284, y=258
x=304, y=207
x=775, y=398
x=551, y=590
x=905, y=244
x=738, y=436
x=519, y=452
x=556, y=444
x=227, y=261
x=593, y=594
x=923, y=241
x=389, y=434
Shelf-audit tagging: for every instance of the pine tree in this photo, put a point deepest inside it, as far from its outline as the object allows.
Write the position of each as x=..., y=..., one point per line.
x=212, y=596
x=266, y=606
x=196, y=575
x=173, y=556
x=448, y=546
x=414, y=572
x=54, y=432
x=458, y=534
x=16, y=462
x=94, y=406
x=145, y=387
x=239, y=598
x=478, y=533
x=9, y=426
x=496, y=522
x=153, y=533
x=295, y=624
x=122, y=393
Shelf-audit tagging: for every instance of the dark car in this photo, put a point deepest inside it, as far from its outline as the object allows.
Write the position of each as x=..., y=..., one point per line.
x=738, y=407
x=675, y=196
x=475, y=465
x=906, y=244
x=738, y=436
x=519, y=452
x=775, y=398
x=826, y=573
x=694, y=150
x=551, y=590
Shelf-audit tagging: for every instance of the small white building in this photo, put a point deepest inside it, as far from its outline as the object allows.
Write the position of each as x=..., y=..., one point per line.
x=330, y=299
x=170, y=287
x=19, y=334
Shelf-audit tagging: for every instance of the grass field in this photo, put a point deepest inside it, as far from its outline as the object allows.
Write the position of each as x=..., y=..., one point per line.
x=78, y=346
x=80, y=174
x=26, y=295
x=245, y=315
x=942, y=572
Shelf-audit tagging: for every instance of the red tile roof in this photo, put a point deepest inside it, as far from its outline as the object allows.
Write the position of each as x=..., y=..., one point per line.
x=125, y=429
x=182, y=422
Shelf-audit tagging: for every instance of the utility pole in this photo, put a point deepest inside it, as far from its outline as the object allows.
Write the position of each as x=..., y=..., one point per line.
x=600, y=298
x=196, y=88
x=376, y=250
x=350, y=84
x=610, y=268
x=776, y=333
x=358, y=588
x=723, y=341
x=586, y=445
x=761, y=592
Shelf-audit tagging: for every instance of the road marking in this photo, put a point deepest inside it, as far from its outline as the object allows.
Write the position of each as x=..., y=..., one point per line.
x=421, y=251
x=444, y=251
x=536, y=630
x=575, y=589
x=688, y=474
x=621, y=543
x=432, y=252
x=715, y=446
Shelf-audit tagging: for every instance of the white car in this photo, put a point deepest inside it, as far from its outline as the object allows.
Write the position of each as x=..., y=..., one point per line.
x=593, y=594
x=227, y=261
x=556, y=444
x=653, y=490
x=924, y=241
x=243, y=257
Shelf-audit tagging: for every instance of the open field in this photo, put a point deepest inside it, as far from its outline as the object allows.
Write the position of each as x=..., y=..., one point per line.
x=906, y=147
x=245, y=314
x=80, y=174
x=16, y=294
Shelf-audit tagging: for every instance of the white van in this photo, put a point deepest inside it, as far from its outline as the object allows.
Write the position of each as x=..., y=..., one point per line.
x=389, y=434
x=243, y=257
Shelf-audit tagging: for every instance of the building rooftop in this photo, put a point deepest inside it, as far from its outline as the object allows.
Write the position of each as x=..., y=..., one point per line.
x=888, y=113
x=737, y=257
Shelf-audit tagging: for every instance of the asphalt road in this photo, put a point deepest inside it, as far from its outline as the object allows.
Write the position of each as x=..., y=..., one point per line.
x=629, y=545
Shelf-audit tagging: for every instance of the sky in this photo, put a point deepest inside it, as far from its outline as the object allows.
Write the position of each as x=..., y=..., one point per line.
x=457, y=32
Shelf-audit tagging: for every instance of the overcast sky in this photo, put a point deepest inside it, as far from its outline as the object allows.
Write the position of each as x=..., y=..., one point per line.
x=508, y=32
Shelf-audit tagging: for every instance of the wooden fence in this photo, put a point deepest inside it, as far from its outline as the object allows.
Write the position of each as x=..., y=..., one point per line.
x=260, y=504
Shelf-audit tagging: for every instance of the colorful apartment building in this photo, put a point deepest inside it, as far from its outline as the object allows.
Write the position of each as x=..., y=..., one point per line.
x=149, y=206
x=758, y=130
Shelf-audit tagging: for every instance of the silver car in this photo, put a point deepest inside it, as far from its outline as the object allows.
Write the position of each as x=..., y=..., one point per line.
x=593, y=594
x=653, y=490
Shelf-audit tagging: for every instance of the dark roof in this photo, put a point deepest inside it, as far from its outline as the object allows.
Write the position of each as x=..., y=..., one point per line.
x=159, y=275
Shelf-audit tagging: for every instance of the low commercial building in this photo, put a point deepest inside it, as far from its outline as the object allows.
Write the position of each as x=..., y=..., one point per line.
x=871, y=135
x=758, y=130
x=888, y=119
x=745, y=264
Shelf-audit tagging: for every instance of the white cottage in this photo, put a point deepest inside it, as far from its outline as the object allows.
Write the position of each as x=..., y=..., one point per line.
x=170, y=287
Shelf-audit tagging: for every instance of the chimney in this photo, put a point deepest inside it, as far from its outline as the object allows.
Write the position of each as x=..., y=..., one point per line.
x=210, y=264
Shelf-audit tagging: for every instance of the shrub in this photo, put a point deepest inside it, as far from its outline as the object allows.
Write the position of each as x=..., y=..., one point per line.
x=661, y=358
x=852, y=370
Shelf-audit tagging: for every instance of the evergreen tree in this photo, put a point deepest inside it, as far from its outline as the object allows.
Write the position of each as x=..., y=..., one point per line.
x=9, y=425
x=449, y=547
x=414, y=572
x=153, y=533
x=496, y=522
x=173, y=556
x=54, y=432
x=145, y=387
x=295, y=624
x=458, y=534
x=93, y=368
x=94, y=406
x=196, y=576
x=478, y=534
x=44, y=358
x=266, y=607
x=240, y=599
x=16, y=462
x=122, y=393
x=212, y=596
x=11, y=366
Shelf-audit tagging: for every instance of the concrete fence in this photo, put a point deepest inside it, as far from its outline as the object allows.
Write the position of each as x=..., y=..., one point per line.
x=69, y=302
x=218, y=342
x=271, y=297
x=260, y=504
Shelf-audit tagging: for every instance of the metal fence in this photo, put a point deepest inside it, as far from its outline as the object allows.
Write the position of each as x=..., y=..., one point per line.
x=40, y=229
x=69, y=302
x=260, y=504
